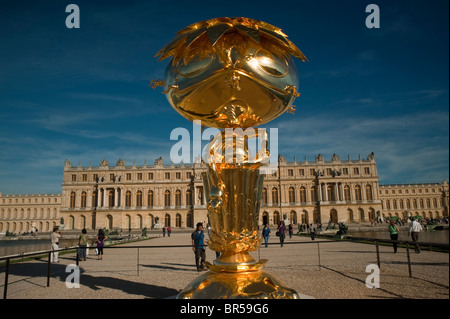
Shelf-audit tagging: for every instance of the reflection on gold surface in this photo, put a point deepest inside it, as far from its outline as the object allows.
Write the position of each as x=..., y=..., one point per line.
x=231, y=72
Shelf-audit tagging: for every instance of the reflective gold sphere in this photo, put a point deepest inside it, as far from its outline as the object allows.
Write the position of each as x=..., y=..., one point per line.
x=231, y=72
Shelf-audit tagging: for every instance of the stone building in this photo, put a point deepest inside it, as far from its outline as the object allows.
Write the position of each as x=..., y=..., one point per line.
x=26, y=213
x=124, y=196
x=428, y=200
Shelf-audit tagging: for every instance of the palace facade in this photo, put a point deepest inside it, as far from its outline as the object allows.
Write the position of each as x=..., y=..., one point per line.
x=124, y=196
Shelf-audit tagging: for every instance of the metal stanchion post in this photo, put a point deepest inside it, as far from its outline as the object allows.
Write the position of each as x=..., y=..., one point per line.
x=378, y=254
x=318, y=252
x=138, y=261
x=48, y=268
x=409, y=260
x=5, y=288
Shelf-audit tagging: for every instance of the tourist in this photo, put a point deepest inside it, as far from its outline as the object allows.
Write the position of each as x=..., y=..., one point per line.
x=198, y=246
x=312, y=231
x=169, y=230
x=164, y=231
x=282, y=233
x=414, y=229
x=291, y=230
x=56, y=235
x=100, y=240
x=82, y=244
x=266, y=234
x=393, y=230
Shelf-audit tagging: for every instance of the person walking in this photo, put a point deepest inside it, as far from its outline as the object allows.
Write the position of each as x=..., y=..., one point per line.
x=198, y=246
x=282, y=233
x=82, y=244
x=266, y=234
x=393, y=230
x=164, y=231
x=100, y=240
x=54, y=240
x=169, y=230
x=414, y=229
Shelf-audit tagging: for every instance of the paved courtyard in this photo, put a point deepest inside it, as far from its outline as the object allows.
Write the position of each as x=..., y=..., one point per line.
x=164, y=272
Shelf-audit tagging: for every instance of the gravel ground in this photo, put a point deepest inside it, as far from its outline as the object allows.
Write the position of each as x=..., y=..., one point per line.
x=164, y=272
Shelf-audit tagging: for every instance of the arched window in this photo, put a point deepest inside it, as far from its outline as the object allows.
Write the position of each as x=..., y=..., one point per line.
x=347, y=193
x=111, y=198
x=139, y=199
x=188, y=197
x=369, y=192
x=293, y=217
x=330, y=192
x=128, y=199
x=94, y=199
x=150, y=198
x=276, y=218
x=83, y=200
x=314, y=194
x=167, y=198
x=178, y=198
x=302, y=195
x=291, y=195
x=72, y=199
x=275, y=195
x=357, y=192
x=178, y=221
x=167, y=220
x=264, y=195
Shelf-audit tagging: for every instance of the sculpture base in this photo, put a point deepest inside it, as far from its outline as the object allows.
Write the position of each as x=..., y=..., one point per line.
x=237, y=285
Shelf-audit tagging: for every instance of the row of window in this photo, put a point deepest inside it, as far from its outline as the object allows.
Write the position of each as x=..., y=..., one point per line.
x=28, y=214
x=30, y=200
x=413, y=191
x=139, y=221
x=331, y=194
x=328, y=171
x=412, y=204
x=128, y=177
x=128, y=198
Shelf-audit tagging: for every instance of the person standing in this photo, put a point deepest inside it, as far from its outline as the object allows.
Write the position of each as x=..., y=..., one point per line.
x=414, y=229
x=312, y=231
x=266, y=234
x=169, y=230
x=164, y=231
x=291, y=230
x=393, y=231
x=54, y=239
x=198, y=246
x=82, y=244
x=100, y=240
x=282, y=233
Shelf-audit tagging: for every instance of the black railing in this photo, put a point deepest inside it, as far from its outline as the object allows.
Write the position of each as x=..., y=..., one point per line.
x=48, y=253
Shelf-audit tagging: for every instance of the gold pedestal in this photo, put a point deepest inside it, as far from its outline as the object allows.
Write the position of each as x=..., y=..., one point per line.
x=233, y=196
x=239, y=285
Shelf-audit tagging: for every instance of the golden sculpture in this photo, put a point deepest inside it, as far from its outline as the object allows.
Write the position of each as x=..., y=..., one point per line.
x=232, y=73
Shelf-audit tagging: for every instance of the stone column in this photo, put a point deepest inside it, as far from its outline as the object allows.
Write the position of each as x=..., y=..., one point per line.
x=116, y=197
x=326, y=191
x=99, y=197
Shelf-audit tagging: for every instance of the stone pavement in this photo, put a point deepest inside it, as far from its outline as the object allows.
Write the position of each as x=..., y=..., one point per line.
x=164, y=272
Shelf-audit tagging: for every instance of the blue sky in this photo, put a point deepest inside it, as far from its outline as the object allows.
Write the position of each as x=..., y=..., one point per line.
x=83, y=94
